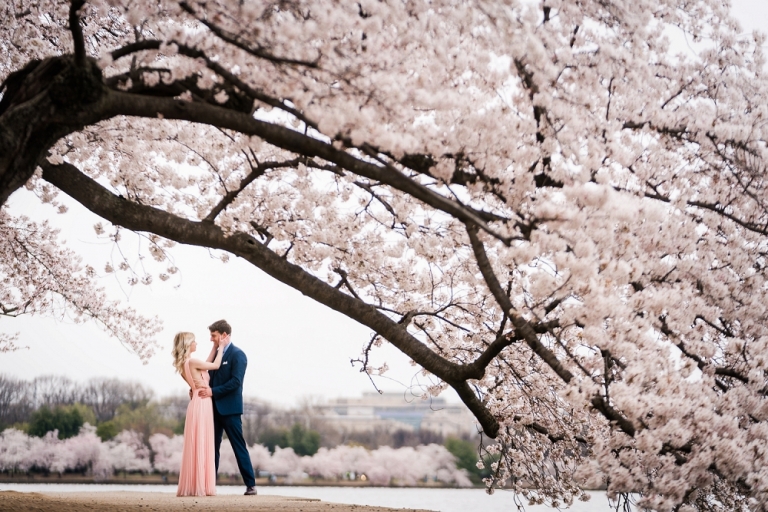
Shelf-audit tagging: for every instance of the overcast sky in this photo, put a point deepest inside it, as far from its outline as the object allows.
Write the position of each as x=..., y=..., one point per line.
x=296, y=348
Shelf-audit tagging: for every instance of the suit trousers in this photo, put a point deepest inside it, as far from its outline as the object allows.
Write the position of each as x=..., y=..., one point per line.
x=232, y=424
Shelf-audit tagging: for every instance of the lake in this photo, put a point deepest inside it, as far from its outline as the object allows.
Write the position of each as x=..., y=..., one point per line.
x=439, y=500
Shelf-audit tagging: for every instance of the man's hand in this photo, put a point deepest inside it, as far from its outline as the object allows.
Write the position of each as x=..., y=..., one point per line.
x=205, y=393
x=190, y=393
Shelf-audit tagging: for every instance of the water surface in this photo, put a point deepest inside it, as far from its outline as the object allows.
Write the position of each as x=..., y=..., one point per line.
x=438, y=500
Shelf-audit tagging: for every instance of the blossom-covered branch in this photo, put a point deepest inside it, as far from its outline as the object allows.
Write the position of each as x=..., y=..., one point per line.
x=39, y=276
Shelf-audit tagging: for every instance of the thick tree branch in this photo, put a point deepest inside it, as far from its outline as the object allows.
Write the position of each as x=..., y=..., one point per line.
x=523, y=328
x=715, y=207
x=603, y=407
x=701, y=364
x=376, y=154
x=42, y=102
x=120, y=103
x=504, y=340
x=194, y=53
x=720, y=209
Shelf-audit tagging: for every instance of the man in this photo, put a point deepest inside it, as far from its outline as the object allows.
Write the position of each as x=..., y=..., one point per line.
x=227, y=393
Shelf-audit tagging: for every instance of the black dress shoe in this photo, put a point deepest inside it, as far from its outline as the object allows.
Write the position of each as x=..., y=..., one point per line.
x=250, y=491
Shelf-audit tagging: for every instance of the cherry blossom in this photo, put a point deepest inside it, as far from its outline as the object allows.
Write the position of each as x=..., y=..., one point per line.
x=259, y=456
x=127, y=452
x=83, y=452
x=40, y=275
x=227, y=460
x=88, y=451
x=14, y=450
x=283, y=462
x=167, y=452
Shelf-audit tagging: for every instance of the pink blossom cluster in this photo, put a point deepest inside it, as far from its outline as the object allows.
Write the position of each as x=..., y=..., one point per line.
x=40, y=276
x=383, y=466
x=85, y=452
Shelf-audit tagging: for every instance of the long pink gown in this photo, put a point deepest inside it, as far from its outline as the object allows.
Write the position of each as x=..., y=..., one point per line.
x=198, y=467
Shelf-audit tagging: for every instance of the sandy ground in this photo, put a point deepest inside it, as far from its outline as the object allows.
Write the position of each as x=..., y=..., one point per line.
x=146, y=501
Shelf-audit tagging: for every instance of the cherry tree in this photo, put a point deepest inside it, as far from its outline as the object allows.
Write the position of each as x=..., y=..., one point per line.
x=259, y=456
x=14, y=450
x=442, y=465
x=407, y=466
x=84, y=451
x=48, y=453
x=87, y=451
x=331, y=464
x=284, y=461
x=227, y=460
x=127, y=452
x=387, y=466
x=167, y=452
x=538, y=202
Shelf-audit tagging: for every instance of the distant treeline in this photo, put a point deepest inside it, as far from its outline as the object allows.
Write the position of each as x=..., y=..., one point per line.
x=51, y=402
x=20, y=398
x=87, y=455
x=54, y=402
x=114, y=405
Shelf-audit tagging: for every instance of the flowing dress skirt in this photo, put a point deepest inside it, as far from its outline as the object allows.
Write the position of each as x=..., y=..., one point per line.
x=198, y=467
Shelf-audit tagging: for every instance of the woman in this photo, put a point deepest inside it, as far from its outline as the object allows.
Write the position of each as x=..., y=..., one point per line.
x=198, y=470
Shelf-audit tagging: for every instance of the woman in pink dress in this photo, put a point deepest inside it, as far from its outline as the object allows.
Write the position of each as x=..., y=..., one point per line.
x=197, y=476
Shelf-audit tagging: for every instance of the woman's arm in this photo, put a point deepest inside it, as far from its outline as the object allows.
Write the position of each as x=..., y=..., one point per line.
x=212, y=355
x=206, y=365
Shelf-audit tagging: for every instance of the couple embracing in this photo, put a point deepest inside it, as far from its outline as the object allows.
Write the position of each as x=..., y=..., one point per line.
x=215, y=407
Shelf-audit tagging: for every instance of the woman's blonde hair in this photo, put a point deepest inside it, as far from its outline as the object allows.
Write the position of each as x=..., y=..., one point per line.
x=181, y=343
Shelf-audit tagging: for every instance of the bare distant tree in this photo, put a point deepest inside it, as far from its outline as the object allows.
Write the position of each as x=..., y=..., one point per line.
x=137, y=395
x=53, y=391
x=106, y=395
x=174, y=408
x=15, y=401
x=257, y=418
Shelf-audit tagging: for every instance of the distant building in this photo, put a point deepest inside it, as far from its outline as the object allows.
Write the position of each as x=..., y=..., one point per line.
x=394, y=411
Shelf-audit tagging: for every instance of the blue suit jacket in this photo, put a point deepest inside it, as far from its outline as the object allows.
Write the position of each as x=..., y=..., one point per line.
x=227, y=382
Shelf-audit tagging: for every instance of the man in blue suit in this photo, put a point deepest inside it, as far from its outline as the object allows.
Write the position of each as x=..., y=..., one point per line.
x=227, y=392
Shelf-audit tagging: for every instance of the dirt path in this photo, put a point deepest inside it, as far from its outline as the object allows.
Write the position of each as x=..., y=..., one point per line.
x=155, y=501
